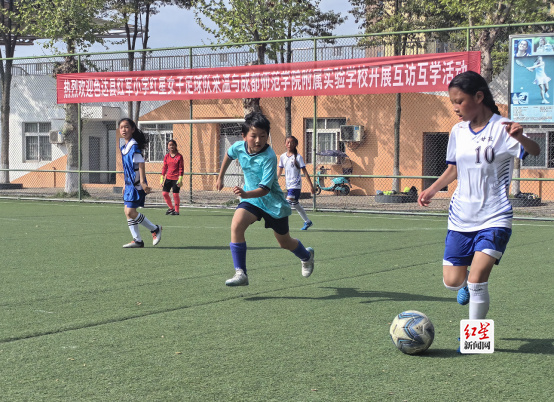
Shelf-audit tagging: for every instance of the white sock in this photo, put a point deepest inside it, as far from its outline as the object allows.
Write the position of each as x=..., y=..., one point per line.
x=143, y=220
x=478, y=300
x=300, y=209
x=134, y=228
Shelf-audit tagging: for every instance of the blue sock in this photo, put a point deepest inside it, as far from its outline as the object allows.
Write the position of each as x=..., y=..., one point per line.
x=238, y=250
x=301, y=252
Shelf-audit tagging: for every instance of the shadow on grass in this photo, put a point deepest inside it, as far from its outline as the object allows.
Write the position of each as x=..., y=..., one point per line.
x=439, y=353
x=536, y=346
x=347, y=293
x=223, y=247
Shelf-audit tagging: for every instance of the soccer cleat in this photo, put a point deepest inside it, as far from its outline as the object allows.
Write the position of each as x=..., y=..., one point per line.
x=308, y=266
x=463, y=296
x=134, y=244
x=239, y=279
x=307, y=225
x=174, y=213
x=157, y=235
x=169, y=211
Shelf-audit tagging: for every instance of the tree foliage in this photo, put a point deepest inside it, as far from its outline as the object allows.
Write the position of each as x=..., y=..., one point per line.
x=13, y=26
x=493, y=42
x=136, y=15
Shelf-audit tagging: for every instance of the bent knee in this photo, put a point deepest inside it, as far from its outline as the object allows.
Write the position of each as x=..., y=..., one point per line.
x=452, y=284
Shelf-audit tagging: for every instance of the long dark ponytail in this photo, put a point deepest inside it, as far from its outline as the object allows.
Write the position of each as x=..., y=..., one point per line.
x=470, y=83
x=138, y=135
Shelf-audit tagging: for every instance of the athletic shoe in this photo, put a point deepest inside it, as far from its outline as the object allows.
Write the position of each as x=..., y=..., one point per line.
x=134, y=244
x=174, y=213
x=463, y=296
x=157, y=235
x=308, y=266
x=307, y=225
x=169, y=211
x=239, y=279
x=546, y=94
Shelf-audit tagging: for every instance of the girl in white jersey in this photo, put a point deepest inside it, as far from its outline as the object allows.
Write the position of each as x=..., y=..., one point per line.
x=294, y=165
x=480, y=155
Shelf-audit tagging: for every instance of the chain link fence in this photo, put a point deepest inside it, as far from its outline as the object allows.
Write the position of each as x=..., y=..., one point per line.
x=355, y=156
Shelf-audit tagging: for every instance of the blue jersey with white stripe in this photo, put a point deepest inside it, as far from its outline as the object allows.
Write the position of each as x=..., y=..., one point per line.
x=131, y=156
x=484, y=162
x=260, y=170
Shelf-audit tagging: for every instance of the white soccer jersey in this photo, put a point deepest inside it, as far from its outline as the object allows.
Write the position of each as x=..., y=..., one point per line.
x=292, y=173
x=484, y=161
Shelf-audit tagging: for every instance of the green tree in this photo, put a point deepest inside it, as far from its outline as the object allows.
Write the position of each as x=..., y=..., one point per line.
x=136, y=15
x=397, y=16
x=239, y=21
x=13, y=28
x=303, y=18
x=492, y=41
x=78, y=25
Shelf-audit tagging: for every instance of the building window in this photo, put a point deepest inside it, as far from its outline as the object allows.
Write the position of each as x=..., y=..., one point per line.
x=158, y=136
x=328, y=134
x=37, y=142
x=546, y=158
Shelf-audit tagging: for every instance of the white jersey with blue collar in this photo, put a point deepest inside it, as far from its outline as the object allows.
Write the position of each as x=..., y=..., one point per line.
x=293, y=177
x=484, y=162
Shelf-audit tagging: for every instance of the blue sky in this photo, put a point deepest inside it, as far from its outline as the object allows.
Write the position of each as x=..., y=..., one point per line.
x=174, y=27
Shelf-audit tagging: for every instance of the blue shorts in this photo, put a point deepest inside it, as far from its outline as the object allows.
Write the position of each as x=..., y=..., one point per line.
x=280, y=226
x=293, y=193
x=461, y=246
x=137, y=203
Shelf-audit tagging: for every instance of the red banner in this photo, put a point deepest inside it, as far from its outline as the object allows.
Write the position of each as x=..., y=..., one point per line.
x=376, y=75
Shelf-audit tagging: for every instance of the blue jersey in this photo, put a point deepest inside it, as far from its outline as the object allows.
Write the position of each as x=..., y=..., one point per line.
x=260, y=170
x=131, y=156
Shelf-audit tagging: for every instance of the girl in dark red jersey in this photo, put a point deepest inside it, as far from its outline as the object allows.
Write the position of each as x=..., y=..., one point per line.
x=172, y=177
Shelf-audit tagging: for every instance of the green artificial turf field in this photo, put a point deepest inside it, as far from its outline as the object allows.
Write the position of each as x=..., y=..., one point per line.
x=83, y=319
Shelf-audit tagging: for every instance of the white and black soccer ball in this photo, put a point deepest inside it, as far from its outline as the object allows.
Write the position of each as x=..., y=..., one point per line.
x=412, y=332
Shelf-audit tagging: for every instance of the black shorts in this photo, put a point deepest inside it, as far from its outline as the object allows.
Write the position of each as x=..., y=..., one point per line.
x=171, y=184
x=280, y=226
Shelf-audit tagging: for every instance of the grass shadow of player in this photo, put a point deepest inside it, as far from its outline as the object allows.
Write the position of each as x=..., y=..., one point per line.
x=348, y=293
x=535, y=346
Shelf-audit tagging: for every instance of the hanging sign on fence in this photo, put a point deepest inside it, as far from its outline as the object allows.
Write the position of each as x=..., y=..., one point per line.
x=376, y=75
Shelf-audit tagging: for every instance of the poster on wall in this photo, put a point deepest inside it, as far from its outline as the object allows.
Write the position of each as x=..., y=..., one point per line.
x=532, y=70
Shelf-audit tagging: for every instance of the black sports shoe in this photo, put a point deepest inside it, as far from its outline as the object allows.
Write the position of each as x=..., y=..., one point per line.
x=169, y=211
x=174, y=213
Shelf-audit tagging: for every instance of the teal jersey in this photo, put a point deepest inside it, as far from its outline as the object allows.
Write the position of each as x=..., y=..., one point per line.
x=260, y=170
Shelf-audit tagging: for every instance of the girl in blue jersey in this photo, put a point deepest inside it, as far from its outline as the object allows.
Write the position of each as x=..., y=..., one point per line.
x=480, y=155
x=136, y=186
x=261, y=197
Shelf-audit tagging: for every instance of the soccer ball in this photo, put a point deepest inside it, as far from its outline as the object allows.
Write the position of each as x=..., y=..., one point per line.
x=412, y=332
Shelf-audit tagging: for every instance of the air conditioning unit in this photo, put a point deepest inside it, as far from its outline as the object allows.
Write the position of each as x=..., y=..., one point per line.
x=56, y=137
x=351, y=133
